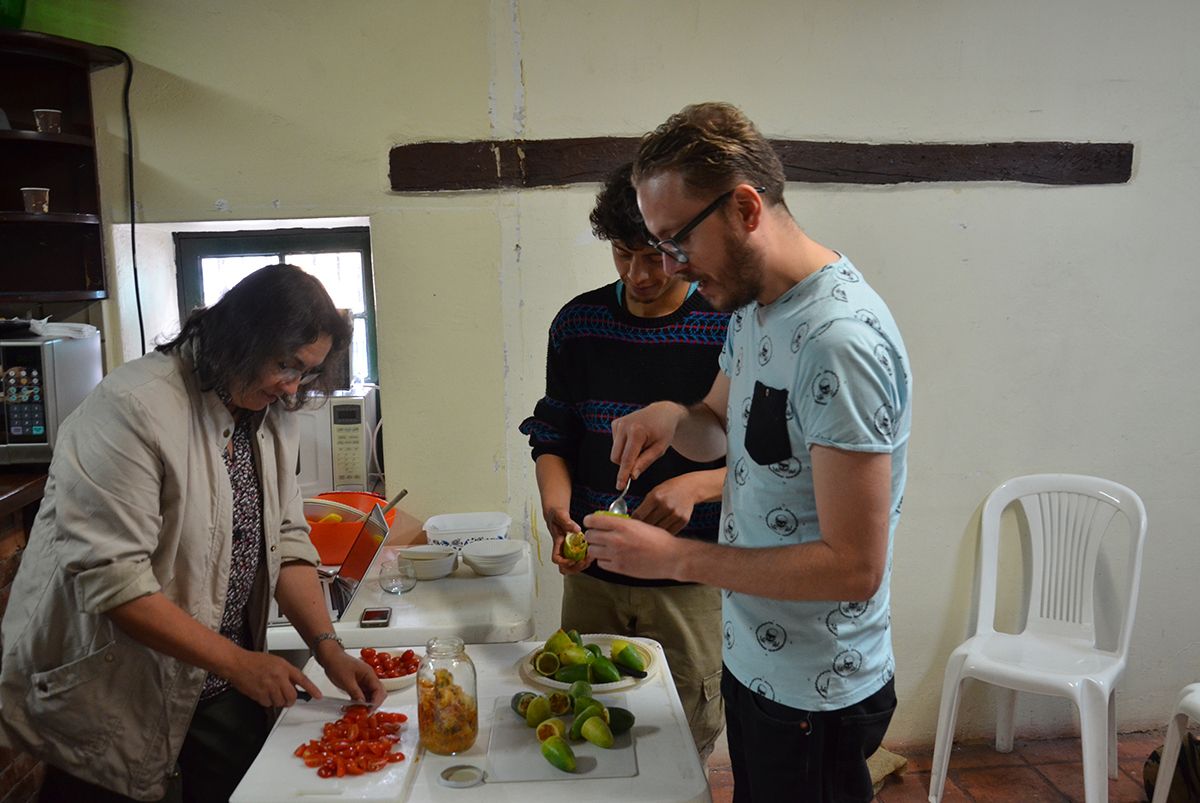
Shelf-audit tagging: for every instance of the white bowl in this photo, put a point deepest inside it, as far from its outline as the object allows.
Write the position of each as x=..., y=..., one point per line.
x=317, y=509
x=424, y=552
x=435, y=568
x=491, y=551
x=459, y=529
x=489, y=568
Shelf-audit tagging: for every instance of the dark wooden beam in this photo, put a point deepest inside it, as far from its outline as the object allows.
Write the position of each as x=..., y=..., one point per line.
x=492, y=164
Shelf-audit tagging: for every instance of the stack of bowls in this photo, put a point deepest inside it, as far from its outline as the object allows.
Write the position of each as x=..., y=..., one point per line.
x=492, y=557
x=430, y=561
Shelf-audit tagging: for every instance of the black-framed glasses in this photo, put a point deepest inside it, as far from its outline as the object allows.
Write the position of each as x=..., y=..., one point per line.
x=287, y=374
x=671, y=247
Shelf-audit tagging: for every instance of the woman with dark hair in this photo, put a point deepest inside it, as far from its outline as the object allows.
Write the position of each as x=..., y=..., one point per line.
x=133, y=644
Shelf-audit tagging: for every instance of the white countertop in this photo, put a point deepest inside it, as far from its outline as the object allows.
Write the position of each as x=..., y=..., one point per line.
x=477, y=609
x=668, y=766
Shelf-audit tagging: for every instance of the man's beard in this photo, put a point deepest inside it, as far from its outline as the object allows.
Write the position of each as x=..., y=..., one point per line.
x=743, y=281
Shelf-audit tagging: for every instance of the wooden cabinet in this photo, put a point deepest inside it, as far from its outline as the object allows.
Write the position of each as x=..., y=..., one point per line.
x=57, y=256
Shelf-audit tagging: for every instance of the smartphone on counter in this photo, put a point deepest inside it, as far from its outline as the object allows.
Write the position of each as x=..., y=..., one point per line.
x=375, y=617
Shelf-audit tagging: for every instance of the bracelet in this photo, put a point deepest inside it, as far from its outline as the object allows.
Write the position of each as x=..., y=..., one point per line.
x=326, y=636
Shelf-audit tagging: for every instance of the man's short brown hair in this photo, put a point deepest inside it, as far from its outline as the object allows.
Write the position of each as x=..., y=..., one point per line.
x=713, y=146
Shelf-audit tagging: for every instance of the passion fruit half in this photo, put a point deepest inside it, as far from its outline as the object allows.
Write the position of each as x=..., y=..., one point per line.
x=575, y=547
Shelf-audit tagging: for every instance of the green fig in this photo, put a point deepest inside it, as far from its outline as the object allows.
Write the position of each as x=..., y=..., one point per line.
x=604, y=671
x=631, y=658
x=546, y=663
x=574, y=655
x=596, y=731
x=620, y=720
x=559, y=753
x=594, y=710
x=520, y=701
x=558, y=642
x=550, y=727
x=580, y=688
x=560, y=703
x=570, y=674
x=538, y=711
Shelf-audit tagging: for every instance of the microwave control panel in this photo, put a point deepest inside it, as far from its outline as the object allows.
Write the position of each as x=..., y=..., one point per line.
x=24, y=398
x=348, y=437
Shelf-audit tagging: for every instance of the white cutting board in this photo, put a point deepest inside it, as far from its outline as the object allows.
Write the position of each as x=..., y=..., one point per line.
x=277, y=775
x=515, y=755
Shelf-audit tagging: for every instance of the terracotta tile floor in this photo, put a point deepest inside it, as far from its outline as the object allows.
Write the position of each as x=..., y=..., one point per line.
x=1047, y=770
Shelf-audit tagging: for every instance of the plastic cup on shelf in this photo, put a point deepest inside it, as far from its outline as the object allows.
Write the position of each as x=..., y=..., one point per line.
x=48, y=121
x=37, y=200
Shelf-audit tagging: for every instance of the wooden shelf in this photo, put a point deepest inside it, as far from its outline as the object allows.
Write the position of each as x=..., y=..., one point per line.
x=48, y=46
x=50, y=217
x=57, y=256
x=49, y=139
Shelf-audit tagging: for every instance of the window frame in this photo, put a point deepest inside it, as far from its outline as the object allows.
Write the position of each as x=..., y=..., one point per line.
x=273, y=244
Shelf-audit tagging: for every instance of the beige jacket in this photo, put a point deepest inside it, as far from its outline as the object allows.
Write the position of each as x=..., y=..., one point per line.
x=138, y=501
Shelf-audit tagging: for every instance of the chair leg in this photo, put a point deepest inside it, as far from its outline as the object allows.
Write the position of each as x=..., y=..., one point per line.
x=1006, y=709
x=943, y=740
x=1093, y=733
x=1170, y=754
x=1113, y=771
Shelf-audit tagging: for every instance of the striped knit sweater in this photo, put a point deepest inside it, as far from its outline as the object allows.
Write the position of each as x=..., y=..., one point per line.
x=603, y=362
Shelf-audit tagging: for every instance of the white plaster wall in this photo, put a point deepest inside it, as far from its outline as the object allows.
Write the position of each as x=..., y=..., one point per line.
x=1049, y=328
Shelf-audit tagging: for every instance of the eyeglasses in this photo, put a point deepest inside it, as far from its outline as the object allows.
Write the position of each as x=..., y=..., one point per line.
x=287, y=375
x=671, y=247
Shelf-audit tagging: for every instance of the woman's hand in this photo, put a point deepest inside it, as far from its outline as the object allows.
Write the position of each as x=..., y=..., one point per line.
x=268, y=679
x=350, y=674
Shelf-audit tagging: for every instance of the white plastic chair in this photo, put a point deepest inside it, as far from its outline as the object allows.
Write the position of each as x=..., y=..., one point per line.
x=1056, y=654
x=1188, y=707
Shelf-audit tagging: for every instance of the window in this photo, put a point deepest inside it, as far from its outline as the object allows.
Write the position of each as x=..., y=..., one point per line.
x=210, y=263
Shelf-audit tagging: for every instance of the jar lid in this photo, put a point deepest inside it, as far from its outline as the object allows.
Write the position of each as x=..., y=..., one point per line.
x=460, y=776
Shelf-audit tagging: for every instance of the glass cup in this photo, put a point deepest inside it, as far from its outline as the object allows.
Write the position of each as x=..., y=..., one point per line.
x=397, y=575
x=48, y=121
x=37, y=200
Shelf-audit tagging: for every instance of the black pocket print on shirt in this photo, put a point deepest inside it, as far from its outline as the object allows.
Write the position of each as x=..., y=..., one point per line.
x=767, y=439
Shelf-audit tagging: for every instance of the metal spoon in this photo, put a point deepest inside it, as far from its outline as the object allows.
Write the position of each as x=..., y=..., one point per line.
x=618, y=504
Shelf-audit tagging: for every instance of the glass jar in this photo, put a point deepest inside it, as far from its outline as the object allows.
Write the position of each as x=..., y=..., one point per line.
x=447, y=712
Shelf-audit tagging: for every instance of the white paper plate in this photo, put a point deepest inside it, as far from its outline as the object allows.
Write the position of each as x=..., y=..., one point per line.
x=604, y=641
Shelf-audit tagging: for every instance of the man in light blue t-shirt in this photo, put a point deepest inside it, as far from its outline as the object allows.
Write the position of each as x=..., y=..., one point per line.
x=812, y=410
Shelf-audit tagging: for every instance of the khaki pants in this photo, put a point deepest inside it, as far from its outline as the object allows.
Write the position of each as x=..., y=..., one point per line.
x=686, y=620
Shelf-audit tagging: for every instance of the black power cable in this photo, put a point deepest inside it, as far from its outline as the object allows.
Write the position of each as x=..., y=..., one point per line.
x=137, y=292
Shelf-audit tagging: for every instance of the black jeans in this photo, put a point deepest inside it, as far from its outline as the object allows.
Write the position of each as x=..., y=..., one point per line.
x=779, y=753
x=222, y=741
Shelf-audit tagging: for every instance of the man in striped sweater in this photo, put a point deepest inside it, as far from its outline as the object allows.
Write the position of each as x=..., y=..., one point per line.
x=611, y=351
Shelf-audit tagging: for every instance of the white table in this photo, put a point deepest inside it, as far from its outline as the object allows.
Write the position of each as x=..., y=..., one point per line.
x=668, y=766
x=477, y=609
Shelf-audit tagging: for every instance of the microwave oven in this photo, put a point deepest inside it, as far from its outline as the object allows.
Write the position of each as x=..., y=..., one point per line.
x=44, y=380
x=336, y=436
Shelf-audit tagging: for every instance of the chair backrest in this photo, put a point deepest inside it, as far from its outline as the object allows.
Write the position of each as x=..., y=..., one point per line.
x=1068, y=516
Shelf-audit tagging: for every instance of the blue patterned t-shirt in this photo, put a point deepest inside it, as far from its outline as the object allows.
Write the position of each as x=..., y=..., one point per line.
x=824, y=364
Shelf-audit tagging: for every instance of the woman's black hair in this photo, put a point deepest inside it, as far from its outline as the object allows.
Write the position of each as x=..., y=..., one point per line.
x=262, y=321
